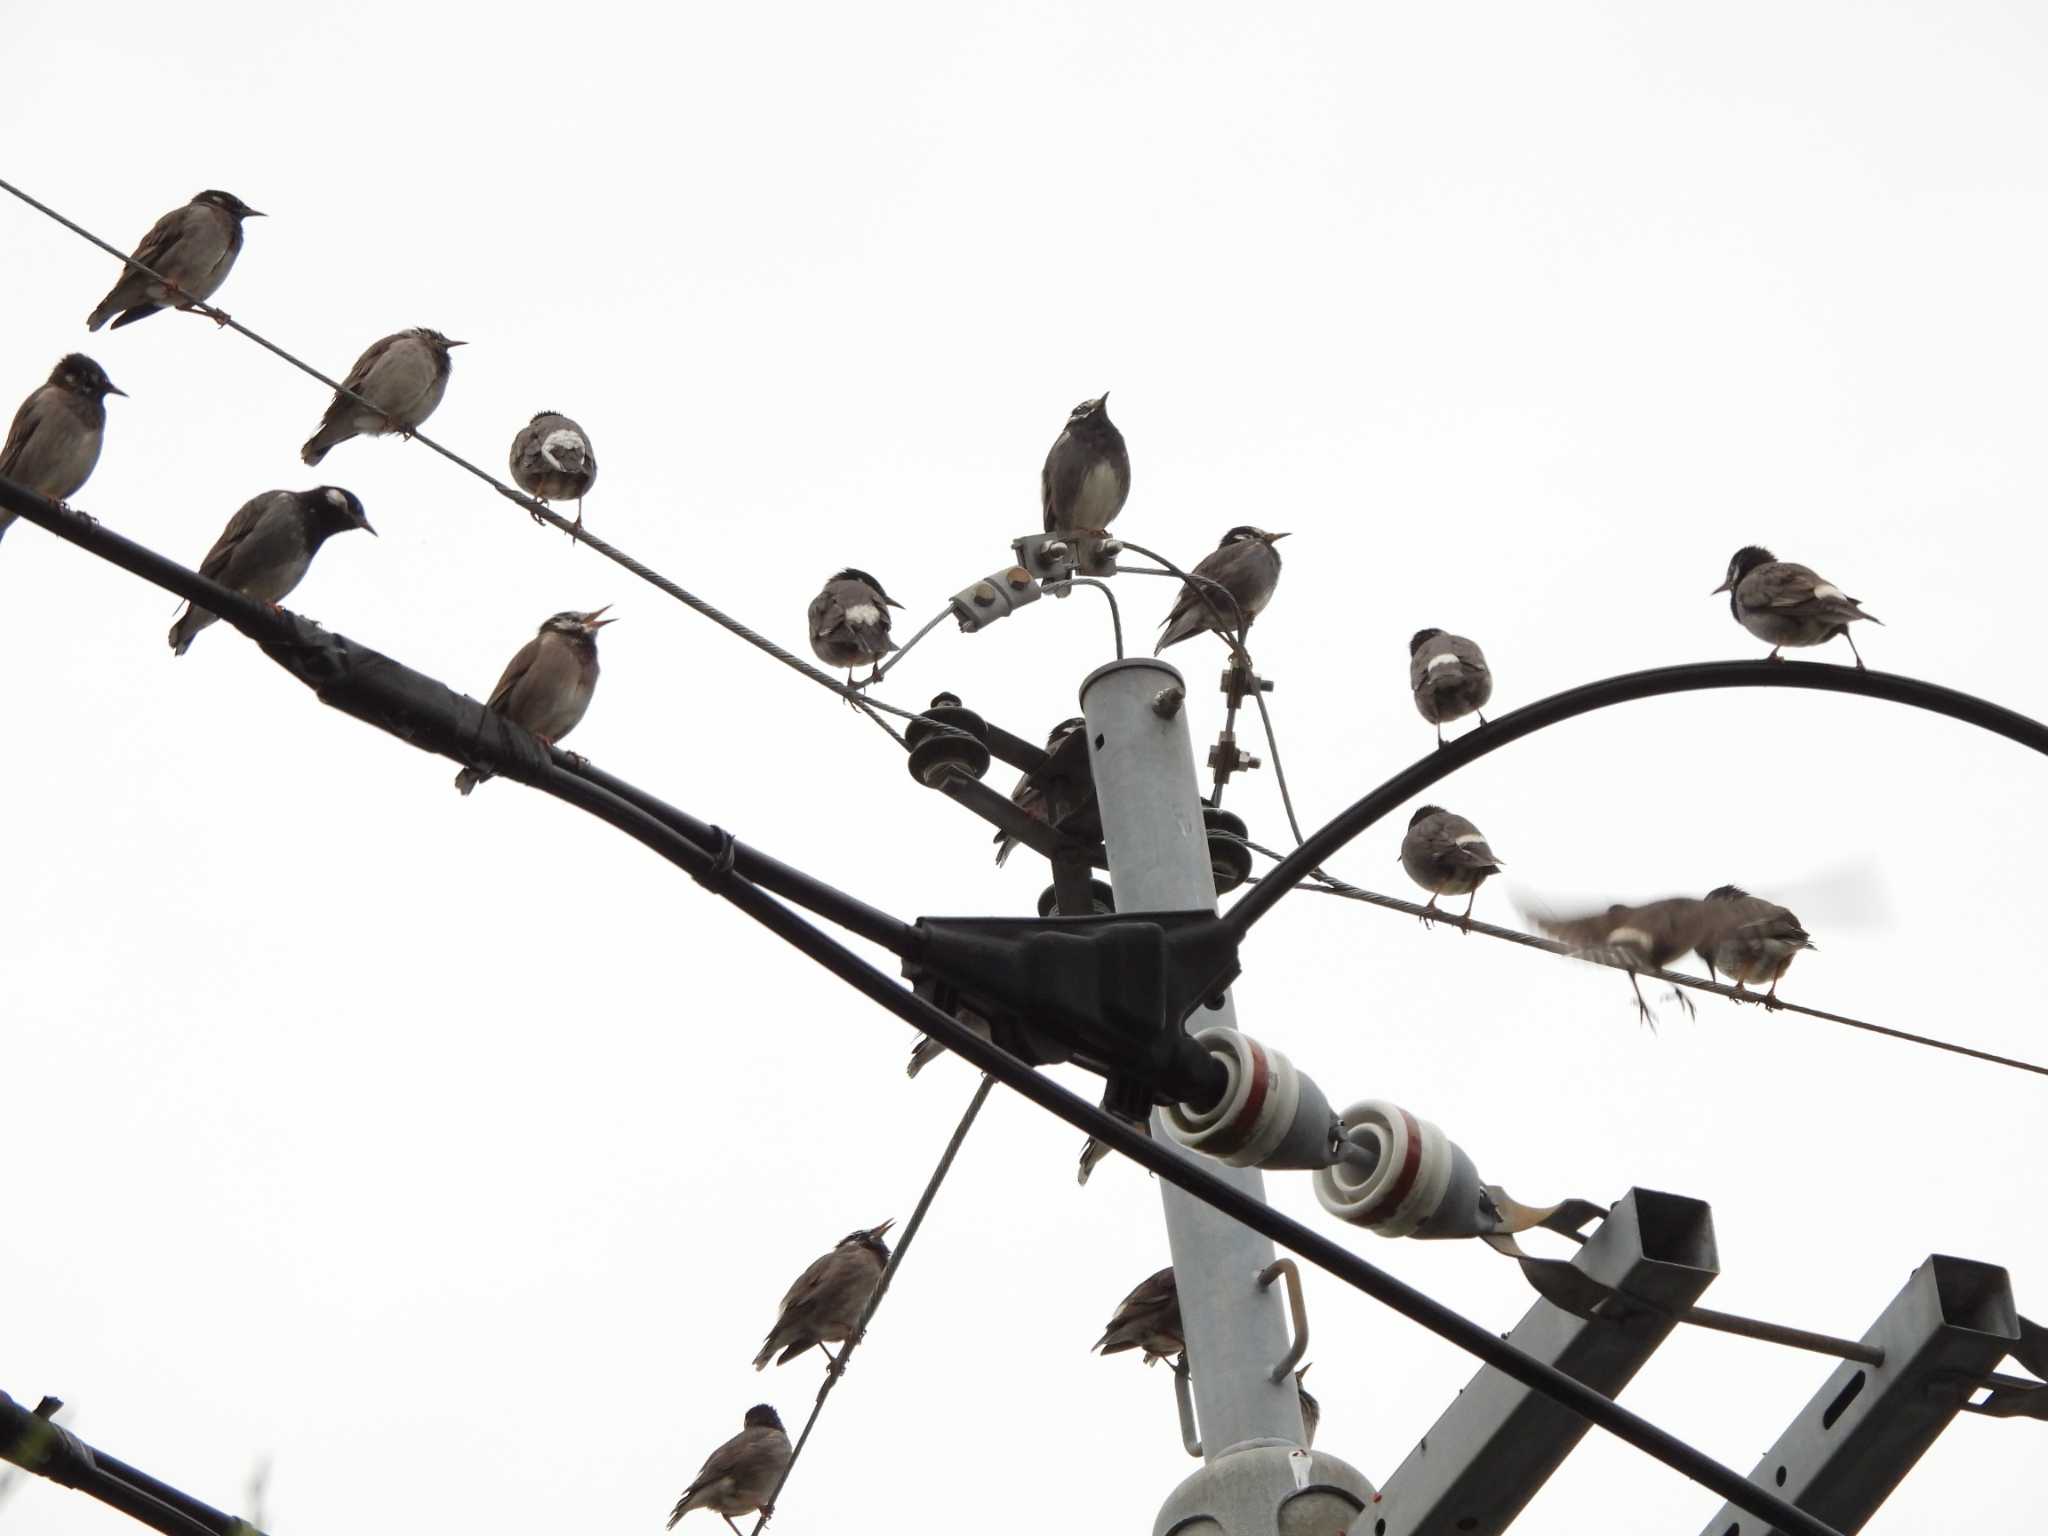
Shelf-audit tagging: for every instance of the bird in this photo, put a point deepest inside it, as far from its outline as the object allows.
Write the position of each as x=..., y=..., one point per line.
x=1148, y=1319
x=1651, y=936
x=268, y=546
x=1449, y=677
x=1059, y=792
x=1311, y=1410
x=1229, y=587
x=1447, y=856
x=547, y=686
x=1788, y=604
x=826, y=1303
x=1762, y=949
x=927, y=1050
x=192, y=249
x=55, y=440
x=552, y=460
x=1087, y=474
x=740, y=1476
x=850, y=622
x=402, y=377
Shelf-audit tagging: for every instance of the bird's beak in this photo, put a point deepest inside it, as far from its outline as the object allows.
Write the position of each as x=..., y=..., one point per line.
x=114, y=389
x=253, y=213
x=364, y=524
x=458, y=343
x=1719, y=590
x=885, y=1226
x=891, y=602
x=1275, y=538
x=591, y=620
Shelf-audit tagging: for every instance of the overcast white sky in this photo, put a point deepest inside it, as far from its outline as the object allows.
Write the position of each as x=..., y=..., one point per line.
x=454, y=1153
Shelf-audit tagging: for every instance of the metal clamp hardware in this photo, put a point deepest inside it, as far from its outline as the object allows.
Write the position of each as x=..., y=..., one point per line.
x=1297, y=1309
x=1184, y=1395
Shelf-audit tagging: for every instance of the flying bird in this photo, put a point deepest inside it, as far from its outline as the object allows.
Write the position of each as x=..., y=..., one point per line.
x=1447, y=856
x=740, y=1476
x=547, y=686
x=402, y=376
x=1087, y=472
x=55, y=440
x=1762, y=949
x=1059, y=792
x=849, y=623
x=1449, y=678
x=1148, y=1319
x=1788, y=604
x=1229, y=587
x=825, y=1304
x=1651, y=936
x=552, y=460
x=268, y=547
x=192, y=248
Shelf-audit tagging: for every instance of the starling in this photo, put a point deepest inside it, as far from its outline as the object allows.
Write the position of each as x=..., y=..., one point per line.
x=269, y=546
x=740, y=1476
x=402, y=377
x=850, y=622
x=825, y=1305
x=1449, y=678
x=192, y=248
x=1446, y=855
x=547, y=686
x=927, y=1050
x=1788, y=604
x=55, y=440
x=1651, y=936
x=1061, y=791
x=1762, y=949
x=1246, y=569
x=1311, y=1410
x=1087, y=472
x=552, y=460
x=1148, y=1319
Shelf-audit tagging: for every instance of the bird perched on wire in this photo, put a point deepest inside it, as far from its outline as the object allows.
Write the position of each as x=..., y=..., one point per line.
x=268, y=547
x=1059, y=792
x=1762, y=949
x=55, y=440
x=552, y=460
x=1446, y=855
x=1311, y=1410
x=1788, y=604
x=741, y=1475
x=190, y=249
x=1449, y=678
x=1087, y=473
x=825, y=1304
x=1148, y=1319
x=547, y=686
x=402, y=377
x=1651, y=936
x=1229, y=587
x=849, y=622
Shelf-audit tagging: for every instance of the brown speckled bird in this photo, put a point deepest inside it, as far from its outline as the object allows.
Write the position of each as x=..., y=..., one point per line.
x=1148, y=1319
x=402, y=376
x=740, y=1476
x=825, y=1304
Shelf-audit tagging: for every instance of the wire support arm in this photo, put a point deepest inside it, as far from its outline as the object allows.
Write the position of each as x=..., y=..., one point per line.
x=32, y=1442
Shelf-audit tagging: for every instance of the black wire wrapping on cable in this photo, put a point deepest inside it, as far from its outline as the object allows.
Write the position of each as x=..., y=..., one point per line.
x=430, y=715
x=35, y=1444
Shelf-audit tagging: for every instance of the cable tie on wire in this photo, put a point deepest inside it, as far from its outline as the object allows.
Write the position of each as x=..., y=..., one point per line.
x=722, y=858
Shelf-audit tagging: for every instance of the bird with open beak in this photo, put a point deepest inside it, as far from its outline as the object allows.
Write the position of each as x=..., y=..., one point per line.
x=546, y=687
x=826, y=1303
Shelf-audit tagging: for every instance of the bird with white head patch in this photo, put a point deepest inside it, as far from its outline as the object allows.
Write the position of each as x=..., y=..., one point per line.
x=849, y=622
x=1447, y=856
x=268, y=546
x=1788, y=604
x=1087, y=473
x=552, y=460
x=1449, y=677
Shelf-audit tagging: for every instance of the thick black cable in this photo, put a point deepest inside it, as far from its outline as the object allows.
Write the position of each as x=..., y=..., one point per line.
x=35, y=1444
x=924, y=1203
x=1412, y=780
x=281, y=633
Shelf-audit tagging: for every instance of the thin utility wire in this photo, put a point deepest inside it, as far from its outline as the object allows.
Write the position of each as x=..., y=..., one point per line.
x=902, y=1247
x=1329, y=885
x=1116, y=618
x=910, y=645
x=539, y=512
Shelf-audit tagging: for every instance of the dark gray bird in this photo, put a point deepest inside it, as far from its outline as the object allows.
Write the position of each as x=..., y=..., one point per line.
x=193, y=248
x=1446, y=855
x=825, y=1304
x=1788, y=604
x=1311, y=1410
x=1449, y=678
x=1651, y=936
x=850, y=622
x=1246, y=569
x=547, y=686
x=1148, y=1319
x=1087, y=472
x=1061, y=791
x=1762, y=949
x=55, y=440
x=402, y=376
x=552, y=460
x=268, y=547
x=740, y=1476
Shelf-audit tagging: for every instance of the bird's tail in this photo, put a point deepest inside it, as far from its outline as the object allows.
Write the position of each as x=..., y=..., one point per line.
x=139, y=312
x=6, y=522
x=190, y=622
x=923, y=1054
x=767, y=1353
x=468, y=779
x=333, y=432
x=103, y=311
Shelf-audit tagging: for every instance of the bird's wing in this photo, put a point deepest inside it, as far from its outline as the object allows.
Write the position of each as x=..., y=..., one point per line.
x=239, y=527
x=1457, y=842
x=359, y=376
x=517, y=668
x=826, y=614
x=165, y=233
x=735, y=1456
x=1468, y=653
x=1748, y=917
x=34, y=411
x=1068, y=486
x=1428, y=651
x=1784, y=585
x=811, y=1284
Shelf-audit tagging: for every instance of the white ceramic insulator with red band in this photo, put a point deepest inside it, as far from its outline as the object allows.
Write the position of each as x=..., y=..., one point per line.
x=1416, y=1168
x=1256, y=1111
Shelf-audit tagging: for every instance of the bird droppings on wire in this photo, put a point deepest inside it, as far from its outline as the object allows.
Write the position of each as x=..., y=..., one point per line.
x=401, y=376
x=1087, y=473
x=1228, y=588
x=740, y=1476
x=547, y=686
x=54, y=443
x=191, y=249
x=825, y=1304
x=849, y=622
x=1788, y=604
x=1449, y=677
x=1447, y=856
x=268, y=546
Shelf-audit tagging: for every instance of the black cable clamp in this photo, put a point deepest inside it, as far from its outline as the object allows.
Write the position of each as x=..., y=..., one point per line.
x=722, y=859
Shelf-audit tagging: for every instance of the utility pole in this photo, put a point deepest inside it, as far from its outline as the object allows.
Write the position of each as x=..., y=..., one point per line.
x=1236, y=1328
